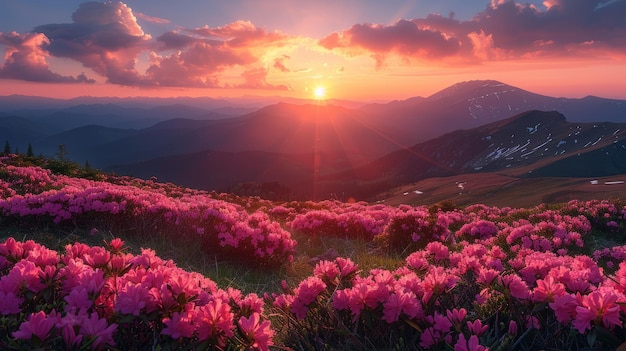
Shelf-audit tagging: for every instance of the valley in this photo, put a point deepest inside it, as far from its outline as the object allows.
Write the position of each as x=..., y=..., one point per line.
x=340, y=149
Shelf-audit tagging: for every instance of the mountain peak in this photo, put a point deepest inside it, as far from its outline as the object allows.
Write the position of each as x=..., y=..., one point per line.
x=473, y=87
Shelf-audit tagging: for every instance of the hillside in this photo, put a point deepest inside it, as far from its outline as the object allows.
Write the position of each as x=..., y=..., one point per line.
x=515, y=147
x=471, y=104
x=323, y=150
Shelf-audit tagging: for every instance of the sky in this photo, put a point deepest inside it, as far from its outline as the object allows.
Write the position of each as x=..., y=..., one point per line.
x=344, y=49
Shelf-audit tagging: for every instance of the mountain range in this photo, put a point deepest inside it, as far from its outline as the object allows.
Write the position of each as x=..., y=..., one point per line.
x=328, y=149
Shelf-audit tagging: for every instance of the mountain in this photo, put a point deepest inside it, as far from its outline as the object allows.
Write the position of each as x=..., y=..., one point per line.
x=471, y=104
x=530, y=144
x=19, y=132
x=226, y=171
x=534, y=140
x=475, y=126
x=81, y=142
x=282, y=128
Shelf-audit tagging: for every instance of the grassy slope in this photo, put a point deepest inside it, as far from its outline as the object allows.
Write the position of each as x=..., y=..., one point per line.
x=502, y=190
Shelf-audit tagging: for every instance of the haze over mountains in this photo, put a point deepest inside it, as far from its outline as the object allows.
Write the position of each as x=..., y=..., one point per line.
x=321, y=148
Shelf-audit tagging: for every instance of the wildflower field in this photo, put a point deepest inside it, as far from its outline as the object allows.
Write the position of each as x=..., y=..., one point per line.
x=425, y=278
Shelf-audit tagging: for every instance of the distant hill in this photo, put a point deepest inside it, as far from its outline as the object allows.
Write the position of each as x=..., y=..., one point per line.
x=471, y=104
x=19, y=132
x=517, y=145
x=282, y=128
x=225, y=171
x=356, y=150
x=526, y=145
x=81, y=141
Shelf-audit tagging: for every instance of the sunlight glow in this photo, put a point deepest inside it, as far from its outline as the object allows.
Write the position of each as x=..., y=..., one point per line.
x=319, y=92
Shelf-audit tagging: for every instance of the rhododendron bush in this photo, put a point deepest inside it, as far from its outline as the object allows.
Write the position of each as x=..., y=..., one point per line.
x=100, y=297
x=473, y=278
x=33, y=194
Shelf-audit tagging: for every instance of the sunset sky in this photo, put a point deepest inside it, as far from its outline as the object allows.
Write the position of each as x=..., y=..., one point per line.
x=355, y=49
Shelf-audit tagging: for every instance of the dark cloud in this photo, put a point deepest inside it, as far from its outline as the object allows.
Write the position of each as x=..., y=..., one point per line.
x=104, y=37
x=405, y=38
x=25, y=59
x=504, y=30
x=175, y=40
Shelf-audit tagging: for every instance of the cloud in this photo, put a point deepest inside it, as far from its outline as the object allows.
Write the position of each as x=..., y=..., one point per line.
x=25, y=59
x=202, y=54
x=151, y=19
x=104, y=37
x=256, y=78
x=199, y=65
x=404, y=38
x=279, y=63
x=504, y=30
x=242, y=34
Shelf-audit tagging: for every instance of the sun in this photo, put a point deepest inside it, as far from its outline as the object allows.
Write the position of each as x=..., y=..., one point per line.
x=319, y=92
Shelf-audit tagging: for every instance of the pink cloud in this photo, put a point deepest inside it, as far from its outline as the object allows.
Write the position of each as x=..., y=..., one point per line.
x=25, y=59
x=106, y=38
x=242, y=34
x=504, y=30
x=279, y=63
x=152, y=19
x=256, y=78
x=202, y=54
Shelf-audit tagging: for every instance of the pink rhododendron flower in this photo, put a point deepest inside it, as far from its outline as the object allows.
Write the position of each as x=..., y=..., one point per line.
x=599, y=307
x=516, y=286
x=249, y=304
x=456, y=316
x=98, y=328
x=77, y=300
x=305, y=294
x=476, y=327
x=259, y=335
x=326, y=270
x=548, y=289
x=439, y=250
x=215, y=321
x=399, y=303
x=9, y=303
x=115, y=245
x=430, y=337
x=473, y=344
x=179, y=326
x=486, y=276
x=132, y=298
x=37, y=325
x=346, y=266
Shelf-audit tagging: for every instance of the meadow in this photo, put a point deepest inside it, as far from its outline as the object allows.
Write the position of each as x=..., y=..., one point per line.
x=90, y=261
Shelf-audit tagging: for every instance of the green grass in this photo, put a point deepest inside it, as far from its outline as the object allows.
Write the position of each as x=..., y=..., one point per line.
x=188, y=255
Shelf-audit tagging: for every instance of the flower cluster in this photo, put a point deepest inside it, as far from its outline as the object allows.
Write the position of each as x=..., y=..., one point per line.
x=99, y=297
x=485, y=278
x=221, y=227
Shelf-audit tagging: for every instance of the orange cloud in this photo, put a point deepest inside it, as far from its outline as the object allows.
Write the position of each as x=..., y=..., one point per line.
x=279, y=63
x=202, y=54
